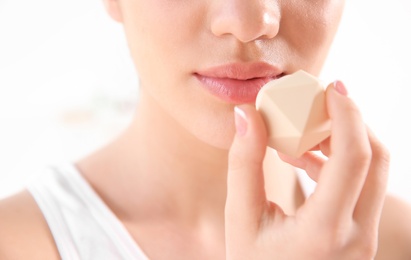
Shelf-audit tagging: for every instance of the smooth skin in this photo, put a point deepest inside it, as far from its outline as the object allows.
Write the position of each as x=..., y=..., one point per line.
x=192, y=179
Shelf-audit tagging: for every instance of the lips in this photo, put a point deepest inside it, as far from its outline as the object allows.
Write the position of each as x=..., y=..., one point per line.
x=237, y=82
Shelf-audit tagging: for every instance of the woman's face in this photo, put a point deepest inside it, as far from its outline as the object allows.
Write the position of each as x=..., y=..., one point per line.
x=197, y=59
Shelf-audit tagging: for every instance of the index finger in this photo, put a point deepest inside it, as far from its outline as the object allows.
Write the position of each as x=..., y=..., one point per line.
x=246, y=199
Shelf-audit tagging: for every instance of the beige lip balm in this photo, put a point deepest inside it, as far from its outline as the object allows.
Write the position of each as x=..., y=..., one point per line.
x=294, y=111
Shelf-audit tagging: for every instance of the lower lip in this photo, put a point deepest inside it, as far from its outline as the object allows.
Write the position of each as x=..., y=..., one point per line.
x=233, y=90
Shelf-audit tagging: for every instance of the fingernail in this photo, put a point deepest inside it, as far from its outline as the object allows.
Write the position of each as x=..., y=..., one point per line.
x=339, y=86
x=240, y=121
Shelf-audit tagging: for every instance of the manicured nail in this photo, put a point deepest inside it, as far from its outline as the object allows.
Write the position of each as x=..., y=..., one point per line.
x=240, y=121
x=339, y=86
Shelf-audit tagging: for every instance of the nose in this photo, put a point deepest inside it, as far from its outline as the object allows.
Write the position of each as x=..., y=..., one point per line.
x=247, y=20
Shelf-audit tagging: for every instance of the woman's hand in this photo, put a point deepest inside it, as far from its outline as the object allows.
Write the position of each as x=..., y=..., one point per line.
x=338, y=221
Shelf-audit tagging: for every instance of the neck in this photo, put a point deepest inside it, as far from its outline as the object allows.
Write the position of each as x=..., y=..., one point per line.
x=169, y=172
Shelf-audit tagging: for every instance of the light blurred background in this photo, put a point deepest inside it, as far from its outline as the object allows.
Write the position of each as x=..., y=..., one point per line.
x=67, y=84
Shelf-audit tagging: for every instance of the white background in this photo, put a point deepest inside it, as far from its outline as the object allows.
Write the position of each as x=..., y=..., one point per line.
x=67, y=85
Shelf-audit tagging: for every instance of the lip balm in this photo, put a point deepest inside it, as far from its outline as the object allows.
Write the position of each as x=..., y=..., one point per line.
x=295, y=113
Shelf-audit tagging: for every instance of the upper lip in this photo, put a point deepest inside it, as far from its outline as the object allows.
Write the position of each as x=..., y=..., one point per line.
x=242, y=71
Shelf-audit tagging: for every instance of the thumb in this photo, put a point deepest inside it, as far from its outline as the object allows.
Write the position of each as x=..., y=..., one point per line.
x=246, y=198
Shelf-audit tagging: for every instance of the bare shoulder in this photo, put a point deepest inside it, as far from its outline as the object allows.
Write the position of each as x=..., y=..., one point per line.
x=395, y=230
x=24, y=233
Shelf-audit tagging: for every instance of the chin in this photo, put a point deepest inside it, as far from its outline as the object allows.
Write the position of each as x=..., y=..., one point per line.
x=219, y=139
x=222, y=144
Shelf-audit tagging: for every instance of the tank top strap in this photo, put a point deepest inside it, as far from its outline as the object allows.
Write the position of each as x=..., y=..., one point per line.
x=82, y=225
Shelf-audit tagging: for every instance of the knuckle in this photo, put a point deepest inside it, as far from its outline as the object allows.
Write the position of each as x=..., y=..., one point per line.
x=352, y=248
x=364, y=243
x=381, y=153
x=368, y=252
x=356, y=150
x=365, y=249
x=337, y=237
x=360, y=156
x=334, y=237
x=342, y=242
x=346, y=240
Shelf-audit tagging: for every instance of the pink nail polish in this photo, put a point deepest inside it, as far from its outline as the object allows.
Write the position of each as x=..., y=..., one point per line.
x=240, y=121
x=340, y=87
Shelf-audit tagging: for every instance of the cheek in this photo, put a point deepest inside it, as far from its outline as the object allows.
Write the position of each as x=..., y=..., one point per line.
x=309, y=28
x=159, y=35
x=156, y=44
x=146, y=37
x=162, y=44
x=165, y=49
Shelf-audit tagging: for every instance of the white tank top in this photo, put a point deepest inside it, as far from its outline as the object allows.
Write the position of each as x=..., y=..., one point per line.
x=82, y=225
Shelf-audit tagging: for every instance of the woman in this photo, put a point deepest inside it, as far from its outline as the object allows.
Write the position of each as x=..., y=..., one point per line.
x=185, y=179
